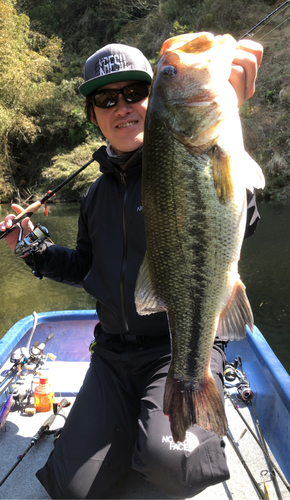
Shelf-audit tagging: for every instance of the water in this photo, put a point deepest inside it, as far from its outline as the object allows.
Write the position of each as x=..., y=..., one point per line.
x=21, y=292
x=264, y=268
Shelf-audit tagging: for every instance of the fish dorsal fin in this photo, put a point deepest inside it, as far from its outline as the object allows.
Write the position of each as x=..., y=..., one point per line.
x=146, y=300
x=236, y=315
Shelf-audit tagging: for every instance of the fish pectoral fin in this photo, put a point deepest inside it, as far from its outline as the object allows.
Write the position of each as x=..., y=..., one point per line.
x=146, y=299
x=254, y=174
x=186, y=406
x=221, y=169
x=238, y=313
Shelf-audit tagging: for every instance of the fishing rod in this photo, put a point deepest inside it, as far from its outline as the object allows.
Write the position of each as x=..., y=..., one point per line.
x=263, y=20
x=23, y=359
x=32, y=209
x=259, y=444
x=231, y=440
x=263, y=441
x=24, y=353
x=44, y=429
x=246, y=394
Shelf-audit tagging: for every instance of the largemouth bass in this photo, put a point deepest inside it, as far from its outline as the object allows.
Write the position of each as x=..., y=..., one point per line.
x=195, y=175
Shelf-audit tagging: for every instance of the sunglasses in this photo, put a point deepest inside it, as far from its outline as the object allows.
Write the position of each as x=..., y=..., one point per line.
x=107, y=98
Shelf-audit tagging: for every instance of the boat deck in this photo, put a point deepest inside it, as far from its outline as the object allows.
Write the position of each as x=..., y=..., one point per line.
x=22, y=483
x=66, y=375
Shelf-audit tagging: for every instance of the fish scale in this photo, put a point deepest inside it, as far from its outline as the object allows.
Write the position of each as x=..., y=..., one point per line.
x=194, y=205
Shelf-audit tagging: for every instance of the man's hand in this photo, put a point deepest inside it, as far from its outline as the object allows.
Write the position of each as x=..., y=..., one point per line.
x=245, y=68
x=12, y=237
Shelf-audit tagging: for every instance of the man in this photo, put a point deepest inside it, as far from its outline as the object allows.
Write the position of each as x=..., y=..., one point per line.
x=117, y=420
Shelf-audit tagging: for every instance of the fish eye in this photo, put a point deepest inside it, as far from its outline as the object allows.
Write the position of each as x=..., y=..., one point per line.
x=169, y=71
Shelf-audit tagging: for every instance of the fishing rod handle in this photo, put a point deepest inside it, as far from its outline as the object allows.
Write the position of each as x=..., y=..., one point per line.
x=28, y=212
x=64, y=402
x=35, y=206
x=47, y=424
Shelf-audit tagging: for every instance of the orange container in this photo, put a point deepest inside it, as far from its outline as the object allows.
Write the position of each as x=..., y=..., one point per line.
x=43, y=395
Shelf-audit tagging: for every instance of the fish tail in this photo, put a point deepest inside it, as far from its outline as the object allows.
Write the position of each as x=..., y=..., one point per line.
x=188, y=406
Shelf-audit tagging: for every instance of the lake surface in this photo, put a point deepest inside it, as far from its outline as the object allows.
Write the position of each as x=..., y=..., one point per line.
x=264, y=269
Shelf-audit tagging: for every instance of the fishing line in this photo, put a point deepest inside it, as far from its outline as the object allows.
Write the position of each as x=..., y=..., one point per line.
x=231, y=440
x=263, y=20
x=259, y=444
x=276, y=27
x=244, y=391
x=268, y=21
x=263, y=441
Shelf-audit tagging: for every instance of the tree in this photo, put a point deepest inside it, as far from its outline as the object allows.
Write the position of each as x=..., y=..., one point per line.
x=23, y=84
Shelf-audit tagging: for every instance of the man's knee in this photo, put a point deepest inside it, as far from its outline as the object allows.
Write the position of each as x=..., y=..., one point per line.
x=182, y=469
x=92, y=476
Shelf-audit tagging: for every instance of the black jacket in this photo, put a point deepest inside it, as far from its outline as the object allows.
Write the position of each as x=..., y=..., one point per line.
x=110, y=248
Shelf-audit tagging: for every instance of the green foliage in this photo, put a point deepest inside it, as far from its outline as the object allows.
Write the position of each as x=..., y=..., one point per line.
x=269, y=91
x=85, y=26
x=44, y=134
x=22, y=86
x=61, y=121
x=63, y=165
x=221, y=16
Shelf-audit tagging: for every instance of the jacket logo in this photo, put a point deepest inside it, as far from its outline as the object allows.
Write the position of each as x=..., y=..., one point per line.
x=139, y=209
x=190, y=443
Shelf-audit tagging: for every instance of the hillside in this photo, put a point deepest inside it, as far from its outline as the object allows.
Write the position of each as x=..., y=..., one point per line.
x=265, y=117
x=44, y=135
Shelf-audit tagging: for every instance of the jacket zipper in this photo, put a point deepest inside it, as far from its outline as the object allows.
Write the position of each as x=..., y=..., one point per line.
x=124, y=261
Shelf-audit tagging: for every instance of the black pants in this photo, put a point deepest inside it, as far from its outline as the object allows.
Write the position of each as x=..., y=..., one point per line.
x=117, y=423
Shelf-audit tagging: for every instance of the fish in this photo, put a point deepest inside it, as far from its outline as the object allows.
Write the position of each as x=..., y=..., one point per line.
x=194, y=179
x=4, y=412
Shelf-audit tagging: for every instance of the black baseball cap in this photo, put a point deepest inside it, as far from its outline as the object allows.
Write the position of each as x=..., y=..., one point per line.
x=115, y=63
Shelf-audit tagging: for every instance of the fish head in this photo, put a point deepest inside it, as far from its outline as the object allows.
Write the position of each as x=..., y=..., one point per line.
x=190, y=90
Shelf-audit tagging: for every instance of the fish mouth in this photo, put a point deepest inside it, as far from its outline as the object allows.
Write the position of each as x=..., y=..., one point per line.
x=202, y=99
x=192, y=103
x=199, y=103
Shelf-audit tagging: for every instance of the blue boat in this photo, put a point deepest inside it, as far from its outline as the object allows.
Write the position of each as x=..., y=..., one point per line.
x=257, y=390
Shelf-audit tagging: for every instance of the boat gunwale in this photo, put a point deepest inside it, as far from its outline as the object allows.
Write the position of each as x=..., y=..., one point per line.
x=19, y=329
x=272, y=366
x=268, y=359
